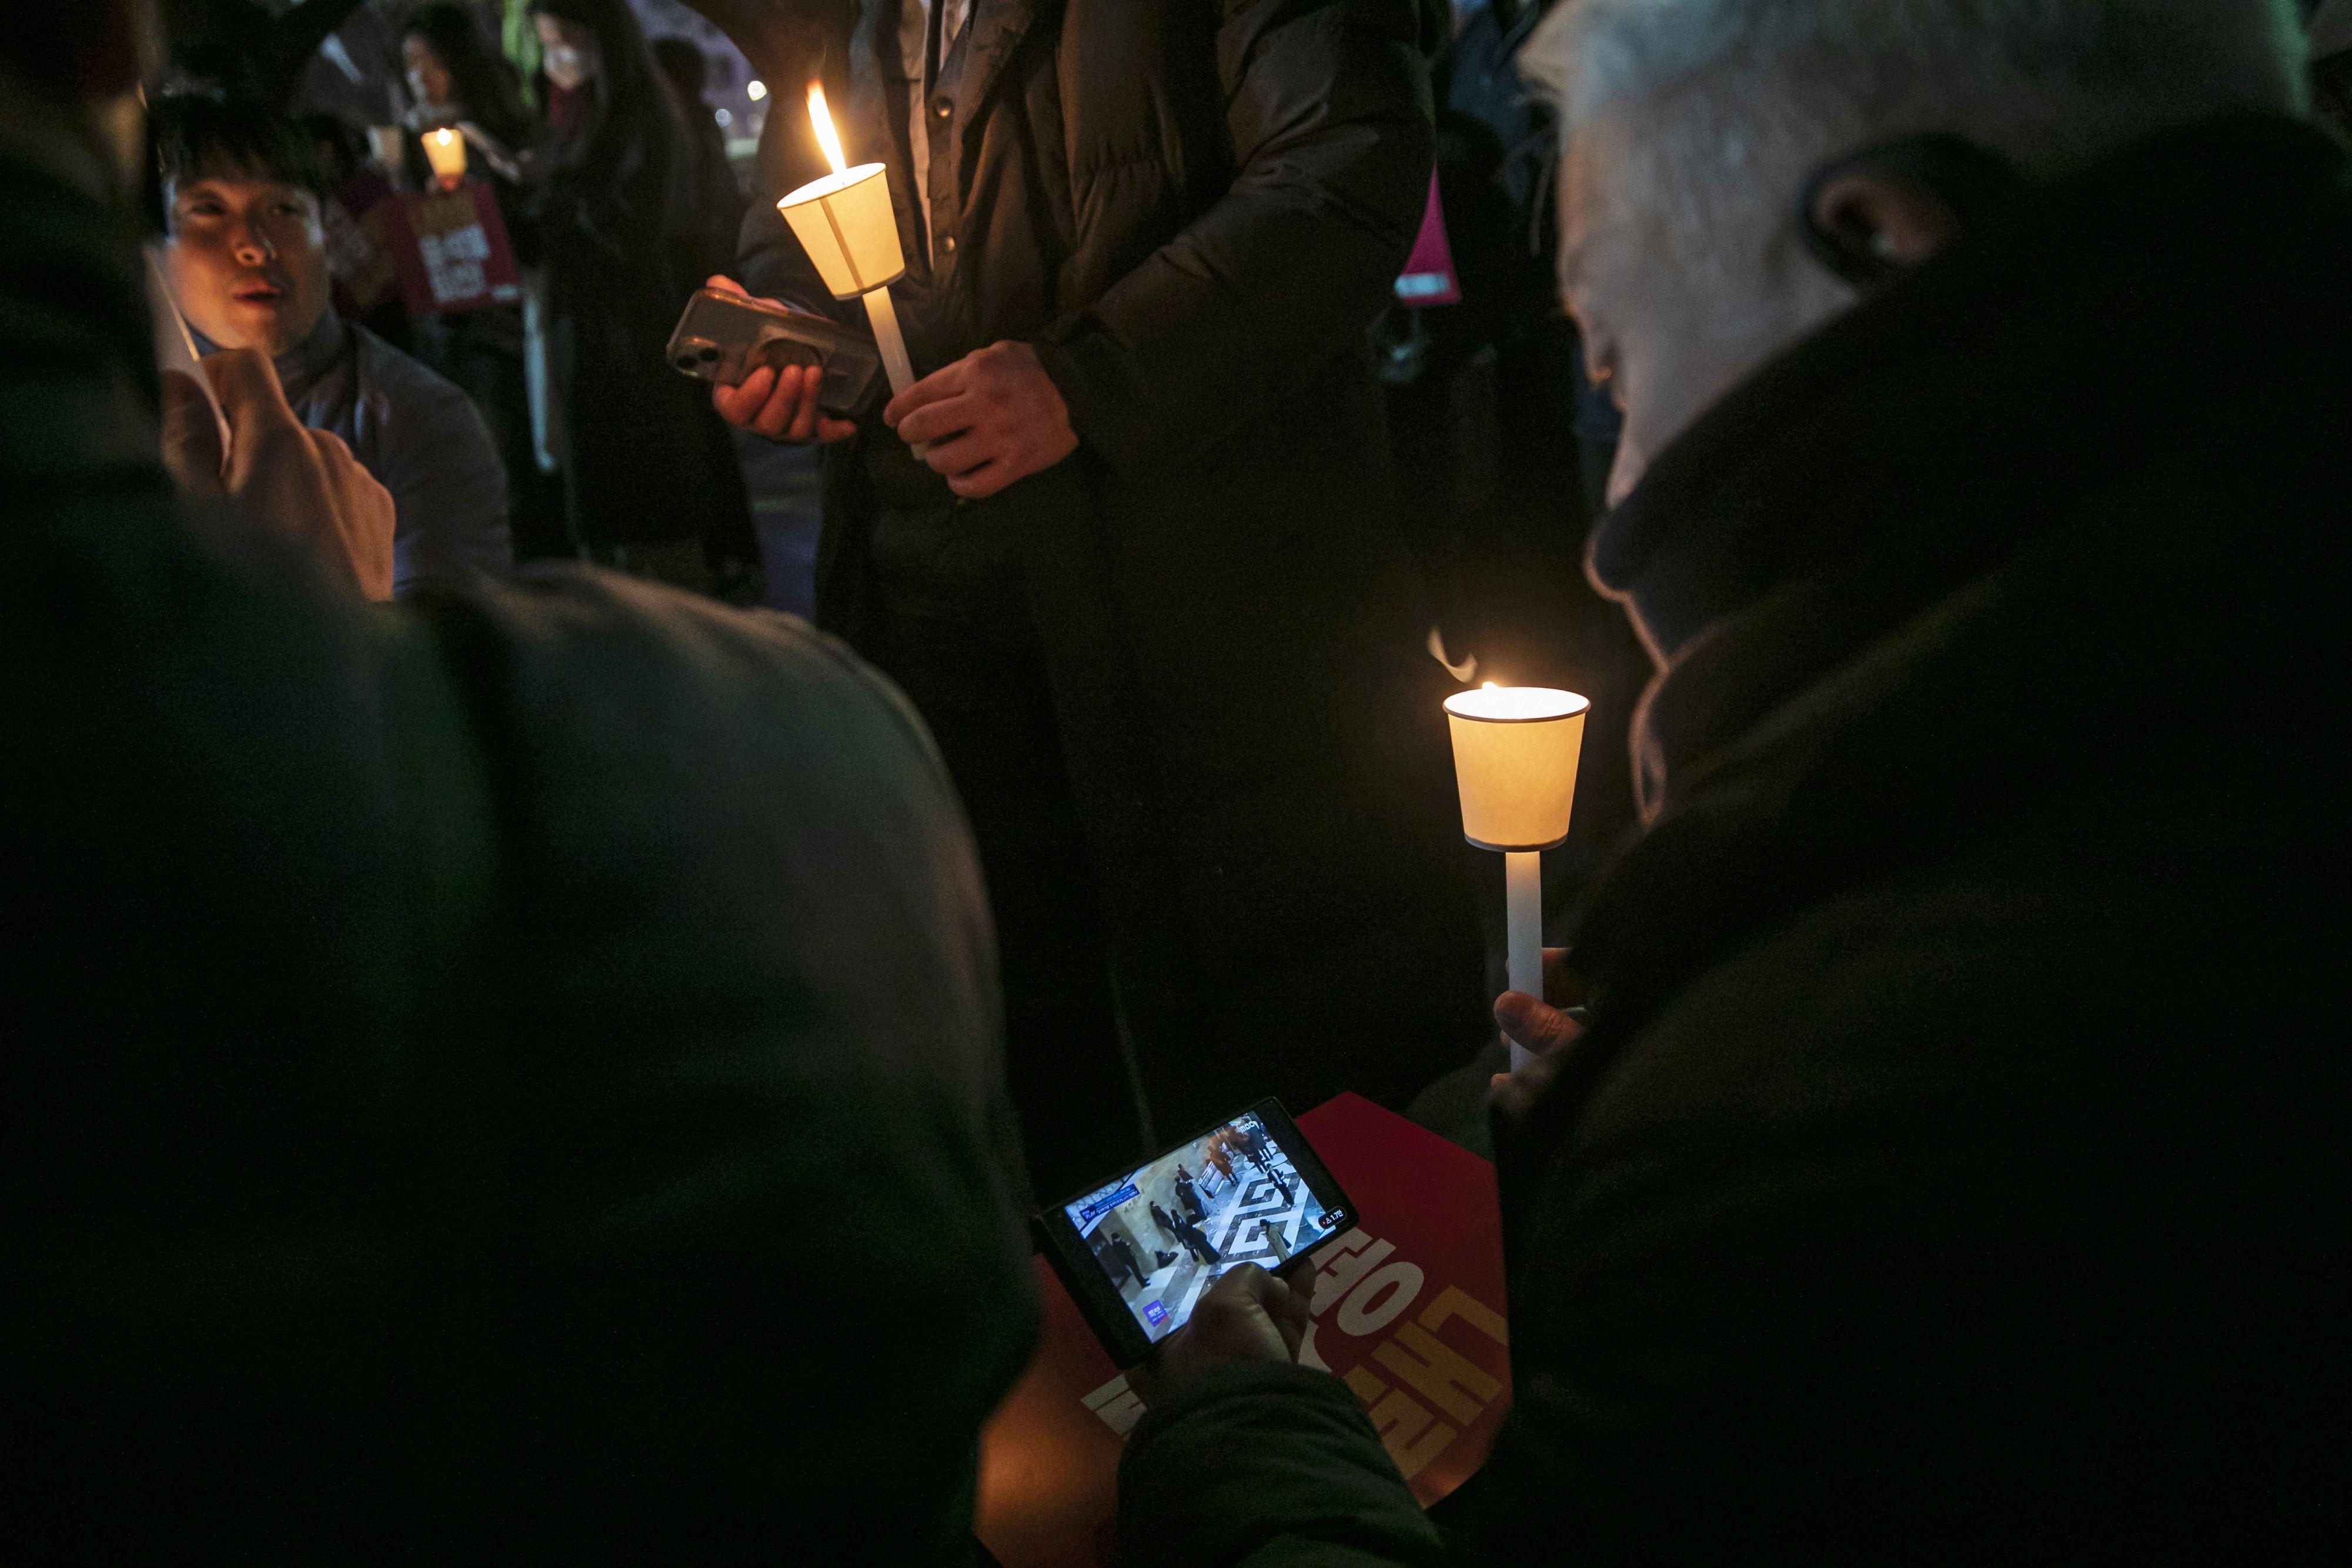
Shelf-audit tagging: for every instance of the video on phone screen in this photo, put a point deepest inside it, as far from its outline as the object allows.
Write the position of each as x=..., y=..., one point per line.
x=1165, y=1232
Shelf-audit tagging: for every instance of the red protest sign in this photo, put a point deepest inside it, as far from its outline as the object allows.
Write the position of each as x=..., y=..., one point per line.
x=1407, y=1311
x=450, y=249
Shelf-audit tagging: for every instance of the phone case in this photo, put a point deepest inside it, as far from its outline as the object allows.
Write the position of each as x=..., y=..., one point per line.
x=724, y=338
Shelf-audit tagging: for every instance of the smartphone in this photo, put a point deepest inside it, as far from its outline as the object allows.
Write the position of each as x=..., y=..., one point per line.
x=724, y=338
x=1135, y=1251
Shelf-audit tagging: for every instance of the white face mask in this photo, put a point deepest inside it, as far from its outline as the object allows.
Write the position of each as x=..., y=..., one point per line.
x=568, y=68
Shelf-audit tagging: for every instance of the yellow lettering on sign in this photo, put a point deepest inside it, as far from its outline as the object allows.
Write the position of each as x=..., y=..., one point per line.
x=1455, y=1303
x=1444, y=1378
x=1411, y=1435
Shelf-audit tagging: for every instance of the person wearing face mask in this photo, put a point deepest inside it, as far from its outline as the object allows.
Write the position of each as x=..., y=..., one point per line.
x=245, y=250
x=625, y=225
x=456, y=77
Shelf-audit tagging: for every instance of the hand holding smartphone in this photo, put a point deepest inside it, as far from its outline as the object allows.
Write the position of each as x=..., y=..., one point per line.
x=1138, y=1251
x=724, y=338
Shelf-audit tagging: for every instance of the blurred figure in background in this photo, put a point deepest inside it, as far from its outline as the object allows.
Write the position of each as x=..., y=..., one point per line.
x=733, y=557
x=686, y=68
x=458, y=79
x=457, y=76
x=246, y=250
x=625, y=222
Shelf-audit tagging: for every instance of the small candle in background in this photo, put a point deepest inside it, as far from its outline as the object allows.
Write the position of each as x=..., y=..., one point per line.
x=445, y=150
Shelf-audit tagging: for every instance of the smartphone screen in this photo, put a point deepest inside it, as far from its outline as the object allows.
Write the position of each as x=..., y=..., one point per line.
x=1164, y=1231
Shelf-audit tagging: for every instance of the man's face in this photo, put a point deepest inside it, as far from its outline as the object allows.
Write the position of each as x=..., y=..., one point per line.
x=249, y=259
x=1672, y=319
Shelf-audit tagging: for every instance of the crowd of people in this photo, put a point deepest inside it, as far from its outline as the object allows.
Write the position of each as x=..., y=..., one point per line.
x=559, y=1064
x=614, y=197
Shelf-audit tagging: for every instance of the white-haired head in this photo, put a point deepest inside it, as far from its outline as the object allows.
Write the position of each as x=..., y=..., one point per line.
x=1693, y=125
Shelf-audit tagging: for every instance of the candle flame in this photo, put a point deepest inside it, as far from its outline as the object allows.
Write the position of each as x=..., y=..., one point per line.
x=823, y=119
x=445, y=136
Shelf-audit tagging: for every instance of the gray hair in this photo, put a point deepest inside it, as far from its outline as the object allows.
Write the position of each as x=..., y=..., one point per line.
x=1705, y=117
x=2052, y=83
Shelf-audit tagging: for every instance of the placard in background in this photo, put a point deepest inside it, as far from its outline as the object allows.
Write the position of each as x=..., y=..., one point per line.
x=450, y=249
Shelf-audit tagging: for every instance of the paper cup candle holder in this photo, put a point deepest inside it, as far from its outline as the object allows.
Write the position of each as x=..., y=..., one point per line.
x=1514, y=755
x=845, y=224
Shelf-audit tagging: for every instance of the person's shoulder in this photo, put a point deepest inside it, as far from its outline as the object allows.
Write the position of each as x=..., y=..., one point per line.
x=400, y=375
x=416, y=400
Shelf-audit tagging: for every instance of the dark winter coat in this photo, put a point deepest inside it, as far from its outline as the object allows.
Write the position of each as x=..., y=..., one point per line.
x=1953, y=1168
x=441, y=1050
x=1193, y=212
x=622, y=227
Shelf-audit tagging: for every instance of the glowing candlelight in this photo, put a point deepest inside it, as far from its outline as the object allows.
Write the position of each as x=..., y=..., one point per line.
x=821, y=118
x=1514, y=756
x=445, y=150
x=846, y=222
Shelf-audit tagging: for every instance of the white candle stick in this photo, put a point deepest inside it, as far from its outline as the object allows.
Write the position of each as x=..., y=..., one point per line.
x=1523, y=911
x=884, y=316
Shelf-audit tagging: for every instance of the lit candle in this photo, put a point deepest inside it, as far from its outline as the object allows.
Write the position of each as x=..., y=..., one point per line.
x=1514, y=754
x=445, y=150
x=845, y=224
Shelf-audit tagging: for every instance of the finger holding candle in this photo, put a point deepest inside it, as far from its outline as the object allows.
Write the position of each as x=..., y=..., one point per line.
x=941, y=386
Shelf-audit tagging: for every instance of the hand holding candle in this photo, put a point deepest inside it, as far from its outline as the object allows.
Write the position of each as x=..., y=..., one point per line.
x=1514, y=756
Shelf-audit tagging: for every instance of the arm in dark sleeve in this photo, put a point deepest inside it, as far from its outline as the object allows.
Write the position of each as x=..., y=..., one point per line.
x=1328, y=107
x=1265, y=1463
